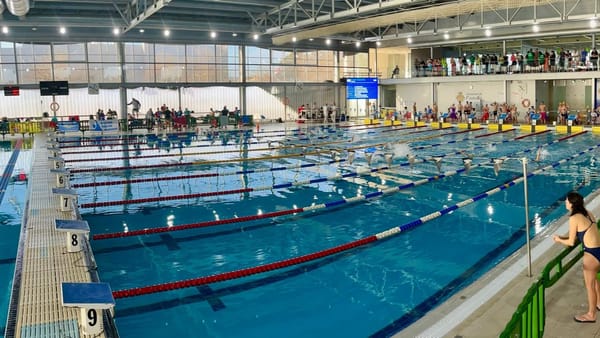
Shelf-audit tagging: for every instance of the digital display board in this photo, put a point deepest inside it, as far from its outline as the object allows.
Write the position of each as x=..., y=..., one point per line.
x=11, y=91
x=50, y=88
x=362, y=88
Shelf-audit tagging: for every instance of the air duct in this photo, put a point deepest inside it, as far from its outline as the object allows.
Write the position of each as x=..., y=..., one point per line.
x=17, y=7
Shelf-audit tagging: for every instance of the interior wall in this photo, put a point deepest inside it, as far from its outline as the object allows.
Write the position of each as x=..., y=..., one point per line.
x=519, y=91
x=419, y=93
x=480, y=93
x=201, y=99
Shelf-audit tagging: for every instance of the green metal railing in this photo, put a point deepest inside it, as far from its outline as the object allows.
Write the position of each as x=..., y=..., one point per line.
x=529, y=319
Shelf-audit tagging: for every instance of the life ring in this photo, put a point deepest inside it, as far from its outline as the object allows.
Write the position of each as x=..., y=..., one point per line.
x=526, y=103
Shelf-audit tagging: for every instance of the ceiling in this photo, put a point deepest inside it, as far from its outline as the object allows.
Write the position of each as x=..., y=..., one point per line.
x=411, y=23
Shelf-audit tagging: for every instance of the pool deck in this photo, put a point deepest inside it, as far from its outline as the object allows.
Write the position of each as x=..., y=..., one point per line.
x=38, y=311
x=484, y=308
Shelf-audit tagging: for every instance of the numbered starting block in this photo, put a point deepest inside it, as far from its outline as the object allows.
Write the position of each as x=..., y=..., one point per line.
x=56, y=162
x=91, y=298
x=66, y=197
x=74, y=229
x=62, y=176
x=54, y=152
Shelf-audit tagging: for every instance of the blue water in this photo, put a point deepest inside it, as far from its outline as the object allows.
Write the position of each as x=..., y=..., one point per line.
x=11, y=213
x=377, y=289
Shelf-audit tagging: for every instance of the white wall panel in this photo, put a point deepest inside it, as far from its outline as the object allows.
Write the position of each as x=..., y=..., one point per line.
x=200, y=100
x=154, y=98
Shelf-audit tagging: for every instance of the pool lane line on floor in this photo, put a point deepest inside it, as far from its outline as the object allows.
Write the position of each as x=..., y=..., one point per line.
x=169, y=286
x=269, y=148
x=273, y=187
x=250, y=171
x=236, y=160
x=360, y=198
x=219, y=152
x=172, y=140
x=10, y=167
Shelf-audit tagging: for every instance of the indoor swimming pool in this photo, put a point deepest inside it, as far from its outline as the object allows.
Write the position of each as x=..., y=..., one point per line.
x=306, y=203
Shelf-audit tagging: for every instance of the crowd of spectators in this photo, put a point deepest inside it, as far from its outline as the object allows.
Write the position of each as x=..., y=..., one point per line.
x=534, y=60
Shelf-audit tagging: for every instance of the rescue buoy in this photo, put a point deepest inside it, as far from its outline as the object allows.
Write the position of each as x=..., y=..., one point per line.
x=526, y=103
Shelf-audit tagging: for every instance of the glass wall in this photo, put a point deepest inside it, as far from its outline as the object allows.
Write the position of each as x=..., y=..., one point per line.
x=138, y=62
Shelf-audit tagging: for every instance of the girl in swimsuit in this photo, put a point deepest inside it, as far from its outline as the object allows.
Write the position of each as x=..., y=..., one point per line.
x=582, y=226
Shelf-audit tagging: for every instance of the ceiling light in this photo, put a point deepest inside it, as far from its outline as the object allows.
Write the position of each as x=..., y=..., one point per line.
x=488, y=32
x=378, y=43
x=593, y=23
x=213, y=34
x=115, y=31
x=62, y=30
x=446, y=36
x=255, y=36
x=328, y=42
x=167, y=32
x=357, y=43
x=141, y=31
x=5, y=30
x=409, y=40
x=311, y=39
x=233, y=34
x=535, y=28
x=294, y=39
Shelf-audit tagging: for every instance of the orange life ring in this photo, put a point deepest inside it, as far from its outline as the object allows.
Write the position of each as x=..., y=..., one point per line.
x=526, y=103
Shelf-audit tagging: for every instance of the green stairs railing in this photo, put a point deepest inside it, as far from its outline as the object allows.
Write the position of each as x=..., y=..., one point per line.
x=529, y=318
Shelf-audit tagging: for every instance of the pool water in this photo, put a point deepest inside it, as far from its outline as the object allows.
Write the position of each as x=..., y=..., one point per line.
x=373, y=290
x=12, y=207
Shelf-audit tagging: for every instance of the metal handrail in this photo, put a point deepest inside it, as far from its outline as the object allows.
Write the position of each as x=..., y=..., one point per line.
x=530, y=317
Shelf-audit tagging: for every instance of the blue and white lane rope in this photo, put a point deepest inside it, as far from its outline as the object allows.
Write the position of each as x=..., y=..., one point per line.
x=504, y=186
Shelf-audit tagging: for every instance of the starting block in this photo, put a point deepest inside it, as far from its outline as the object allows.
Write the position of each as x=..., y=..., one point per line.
x=61, y=176
x=73, y=228
x=56, y=162
x=91, y=298
x=66, y=196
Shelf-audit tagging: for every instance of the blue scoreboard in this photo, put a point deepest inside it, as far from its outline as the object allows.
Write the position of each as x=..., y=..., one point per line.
x=362, y=88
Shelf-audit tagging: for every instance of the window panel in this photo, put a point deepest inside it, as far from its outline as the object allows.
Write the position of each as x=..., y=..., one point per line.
x=169, y=72
x=306, y=57
x=33, y=73
x=105, y=72
x=69, y=52
x=139, y=72
x=257, y=56
x=27, y=53
x=139, y=52
x=279, y=56
x=228, y=54
x=169, y=53
x=258, y=73
x=228, y=73
x=284, y=74
x=72, y=72
x=7, y=52
x=201, y=73
x=200, y=53
x=308, y=74
x=103, y=52
x=9, y=73
x=326, y=58
x=326, y=74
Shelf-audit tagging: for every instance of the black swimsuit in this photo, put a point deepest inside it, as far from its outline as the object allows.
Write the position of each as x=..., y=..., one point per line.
x=593, y=251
